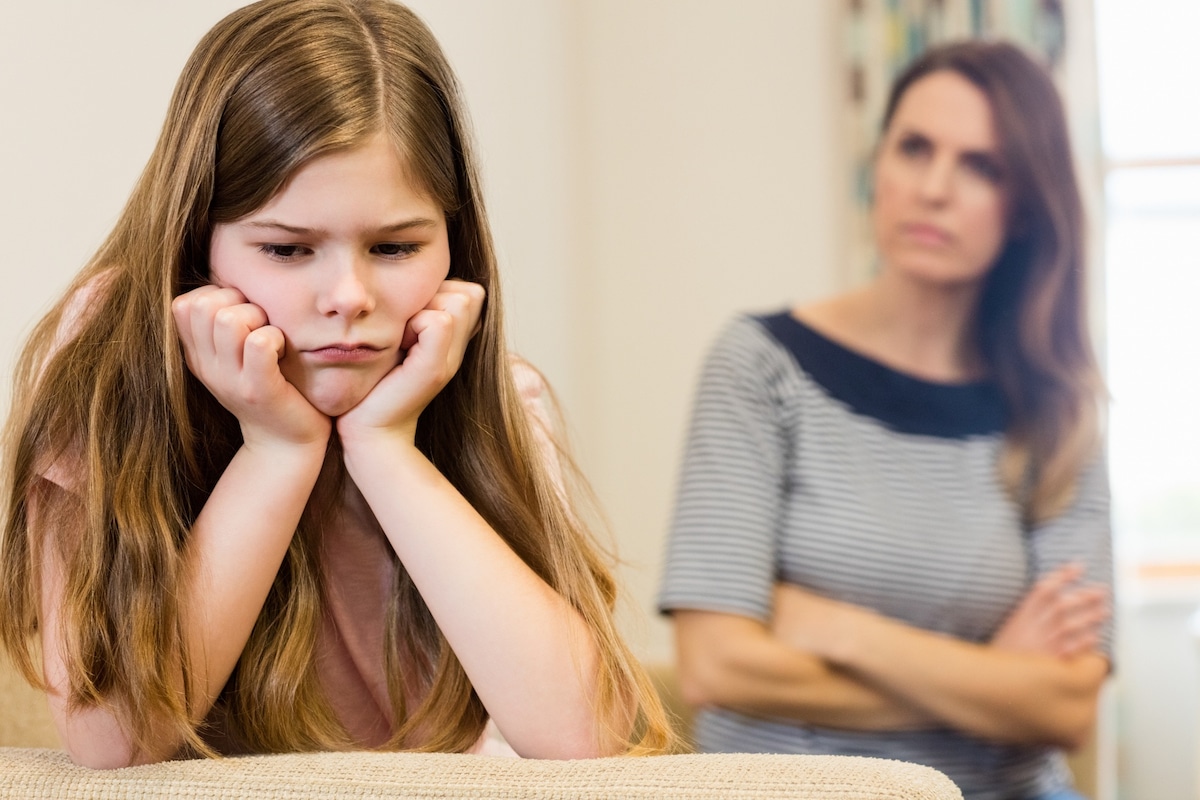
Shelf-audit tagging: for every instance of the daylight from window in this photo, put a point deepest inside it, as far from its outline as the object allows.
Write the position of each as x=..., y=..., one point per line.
x=1150, y=130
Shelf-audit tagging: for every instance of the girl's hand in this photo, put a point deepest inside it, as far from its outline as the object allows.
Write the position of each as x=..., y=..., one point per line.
x=234, y=352
x=435, y=340
x=1057, y=617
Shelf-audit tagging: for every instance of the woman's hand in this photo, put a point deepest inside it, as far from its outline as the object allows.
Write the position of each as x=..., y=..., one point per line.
x=1011, y=690
x=814, y=624
x=233, y=350
x=435, y=340
x=1057, y=617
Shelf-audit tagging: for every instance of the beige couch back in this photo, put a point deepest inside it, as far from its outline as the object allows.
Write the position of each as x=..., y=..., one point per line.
x=24, y=716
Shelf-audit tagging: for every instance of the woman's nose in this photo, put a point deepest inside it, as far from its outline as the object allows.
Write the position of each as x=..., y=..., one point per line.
x=936, y=181
x=348, y=291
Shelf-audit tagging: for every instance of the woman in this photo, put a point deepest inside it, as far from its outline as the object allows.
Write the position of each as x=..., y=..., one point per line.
x=891, y=536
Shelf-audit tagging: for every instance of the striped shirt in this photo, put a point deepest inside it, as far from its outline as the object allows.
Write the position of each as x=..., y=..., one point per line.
x=811, y=464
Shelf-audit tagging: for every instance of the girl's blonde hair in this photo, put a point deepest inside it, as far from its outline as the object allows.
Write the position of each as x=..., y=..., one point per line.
x=269, y=88
x=1031, y=325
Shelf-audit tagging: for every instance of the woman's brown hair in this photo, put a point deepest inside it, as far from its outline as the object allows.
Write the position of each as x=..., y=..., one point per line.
x=1031, y=321
x=104, y=391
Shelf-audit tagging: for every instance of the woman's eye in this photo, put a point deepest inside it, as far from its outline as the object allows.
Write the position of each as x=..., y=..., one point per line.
x=283, y=252
x=985, y=168
x=395, y=249
x=913, y=146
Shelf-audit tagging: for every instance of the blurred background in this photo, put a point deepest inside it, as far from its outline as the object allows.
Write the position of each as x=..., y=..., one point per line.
x=653, y=167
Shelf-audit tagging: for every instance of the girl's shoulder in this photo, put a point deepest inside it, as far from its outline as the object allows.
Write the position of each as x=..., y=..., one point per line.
x=533, y=390
x=544, y=416
x=530, y=383
x=78, y=306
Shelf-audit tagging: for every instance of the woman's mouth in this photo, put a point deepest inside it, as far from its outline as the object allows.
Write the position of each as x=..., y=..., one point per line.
x=926, y=234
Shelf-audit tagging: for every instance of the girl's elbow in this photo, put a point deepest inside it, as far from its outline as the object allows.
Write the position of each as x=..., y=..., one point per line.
x=583, y=744
x=94, y=755
x=104, y=746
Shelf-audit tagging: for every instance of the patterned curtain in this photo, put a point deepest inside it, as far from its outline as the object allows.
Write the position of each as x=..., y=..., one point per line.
x=883, y=36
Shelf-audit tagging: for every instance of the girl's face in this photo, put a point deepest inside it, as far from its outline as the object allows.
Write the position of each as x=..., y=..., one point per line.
x=940, y=203
x=339, y=260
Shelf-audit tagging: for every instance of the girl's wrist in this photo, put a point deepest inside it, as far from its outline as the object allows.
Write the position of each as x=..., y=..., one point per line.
x=370, y=437
x=365, y=446
x=279, y=448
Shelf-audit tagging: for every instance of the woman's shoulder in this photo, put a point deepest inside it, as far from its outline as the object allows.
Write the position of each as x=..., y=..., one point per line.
x=825, y=358
x=745, y=342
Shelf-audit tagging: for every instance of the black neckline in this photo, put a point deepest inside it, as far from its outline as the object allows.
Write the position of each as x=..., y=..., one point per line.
x=900, y=401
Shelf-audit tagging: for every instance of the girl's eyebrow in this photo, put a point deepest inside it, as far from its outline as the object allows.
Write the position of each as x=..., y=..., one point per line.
x=396, y=227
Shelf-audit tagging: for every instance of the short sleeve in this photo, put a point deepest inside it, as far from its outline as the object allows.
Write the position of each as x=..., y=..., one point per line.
x=1082, y=534
x=721, y=552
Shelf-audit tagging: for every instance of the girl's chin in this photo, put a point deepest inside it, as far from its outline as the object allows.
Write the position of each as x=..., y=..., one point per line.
x=334, y=404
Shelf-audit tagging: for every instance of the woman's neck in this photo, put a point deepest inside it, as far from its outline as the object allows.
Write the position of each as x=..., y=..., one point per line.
x=917, y=328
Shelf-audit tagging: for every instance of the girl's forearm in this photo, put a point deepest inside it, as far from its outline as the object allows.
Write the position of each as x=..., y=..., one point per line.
x=234, y=552
x=528, y=653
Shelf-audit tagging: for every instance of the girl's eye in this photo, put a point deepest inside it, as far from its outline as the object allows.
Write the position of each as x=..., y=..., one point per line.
x=283, y=252
x=395, y=249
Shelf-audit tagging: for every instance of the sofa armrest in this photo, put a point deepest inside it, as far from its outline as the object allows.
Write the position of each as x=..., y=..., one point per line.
x=50, y=775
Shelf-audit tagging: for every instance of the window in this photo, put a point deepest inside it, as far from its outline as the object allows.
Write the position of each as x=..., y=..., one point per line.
x=1150, y=133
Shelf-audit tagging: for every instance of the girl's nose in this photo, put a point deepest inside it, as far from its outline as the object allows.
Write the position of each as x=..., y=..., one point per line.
x=348, y=292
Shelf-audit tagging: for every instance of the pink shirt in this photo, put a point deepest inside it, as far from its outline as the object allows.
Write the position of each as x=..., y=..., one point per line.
x=360, y=571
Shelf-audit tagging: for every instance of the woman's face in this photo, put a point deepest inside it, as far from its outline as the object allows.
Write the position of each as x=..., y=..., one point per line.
x=940, y=205
x=340, y=260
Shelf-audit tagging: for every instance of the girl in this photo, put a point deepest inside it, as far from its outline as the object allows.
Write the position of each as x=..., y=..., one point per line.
x=273, y=482
x=917, y=464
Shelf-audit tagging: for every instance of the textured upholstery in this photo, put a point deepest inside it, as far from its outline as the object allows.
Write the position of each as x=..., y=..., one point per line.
x=30, y=767
x=49, y=775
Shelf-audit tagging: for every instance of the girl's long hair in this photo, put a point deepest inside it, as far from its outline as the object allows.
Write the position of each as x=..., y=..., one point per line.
x=104, y=395
x=1031, y=322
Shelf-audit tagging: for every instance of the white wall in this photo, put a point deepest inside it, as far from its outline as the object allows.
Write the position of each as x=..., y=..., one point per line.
x=512, y=58
x=650, y=168
x=709, y=173
x=83, y=90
